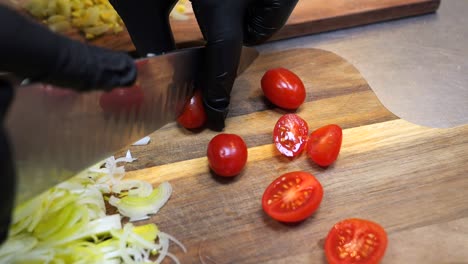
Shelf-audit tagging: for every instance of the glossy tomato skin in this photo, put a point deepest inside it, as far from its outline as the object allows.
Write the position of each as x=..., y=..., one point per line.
x=227, y=154
x=194, y=115
x=121, y=100
x=283, y=88
x=356, y=241
x=292, y=197
x=290, y=135
x=324, y=144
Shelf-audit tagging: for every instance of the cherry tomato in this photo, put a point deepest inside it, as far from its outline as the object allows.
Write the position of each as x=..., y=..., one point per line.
x=290, y=135
x=227, y=154
x=122, y=99
x=194, y=115
x=356, y=241
x=292, y=197
x=283, y=88
x=324, y=144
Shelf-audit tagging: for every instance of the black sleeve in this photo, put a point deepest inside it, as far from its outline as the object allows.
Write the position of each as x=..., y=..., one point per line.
x=147, y=22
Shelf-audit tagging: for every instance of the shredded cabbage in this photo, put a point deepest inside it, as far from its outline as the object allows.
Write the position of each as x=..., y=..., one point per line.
x=68, y=223
x=139, y=208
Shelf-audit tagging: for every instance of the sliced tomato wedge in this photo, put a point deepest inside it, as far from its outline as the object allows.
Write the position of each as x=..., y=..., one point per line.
x=324, y=144
x=292, y=197
x=356, y=241
x=290, y=135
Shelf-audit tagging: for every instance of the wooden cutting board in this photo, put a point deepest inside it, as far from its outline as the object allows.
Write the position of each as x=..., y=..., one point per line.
x=309, y=16
x=410, y=179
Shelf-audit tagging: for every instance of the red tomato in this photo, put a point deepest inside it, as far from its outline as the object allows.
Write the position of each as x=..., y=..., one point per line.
x=324, y=144
x=283, y=88
x=292, y=197
x=355, y=241
x=227, y=154
x=122, y=99
x=290, y=135
x=194, y=115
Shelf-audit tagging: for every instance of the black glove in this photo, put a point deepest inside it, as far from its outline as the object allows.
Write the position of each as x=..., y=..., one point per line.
x=7, y=188
x=30, y=50
x=226, y=25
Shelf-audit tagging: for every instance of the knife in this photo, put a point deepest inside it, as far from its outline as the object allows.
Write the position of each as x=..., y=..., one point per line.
x=56, y=133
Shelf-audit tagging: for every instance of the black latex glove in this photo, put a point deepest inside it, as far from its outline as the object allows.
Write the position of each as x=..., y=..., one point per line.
x=226, y=25
x=7, y=173
x=30, y=50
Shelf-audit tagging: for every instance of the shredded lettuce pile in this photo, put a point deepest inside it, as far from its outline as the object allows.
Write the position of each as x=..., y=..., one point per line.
x=68, y=223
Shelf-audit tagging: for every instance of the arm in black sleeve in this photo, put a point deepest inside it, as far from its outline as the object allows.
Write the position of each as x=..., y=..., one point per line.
x=30, y=50
x=147, y=22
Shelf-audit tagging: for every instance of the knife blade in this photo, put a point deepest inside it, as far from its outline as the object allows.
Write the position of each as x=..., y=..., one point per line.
x=57, y=133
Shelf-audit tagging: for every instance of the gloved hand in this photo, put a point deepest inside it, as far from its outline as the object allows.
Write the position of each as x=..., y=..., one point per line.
x=30, y=50
x=226, y=25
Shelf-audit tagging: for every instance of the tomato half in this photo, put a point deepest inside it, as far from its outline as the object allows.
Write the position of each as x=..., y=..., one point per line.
x=290, y=135
x=292, y=197
x=122, y=99
x=227, y=154
x=194, y=115
x=356, y=241
x=324, y=144
x=283, y=88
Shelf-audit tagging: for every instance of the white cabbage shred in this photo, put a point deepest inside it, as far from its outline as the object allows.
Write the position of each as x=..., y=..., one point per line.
x=68, y=223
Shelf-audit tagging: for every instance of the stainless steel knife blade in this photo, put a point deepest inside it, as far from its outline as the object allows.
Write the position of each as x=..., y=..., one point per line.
x=56, y=133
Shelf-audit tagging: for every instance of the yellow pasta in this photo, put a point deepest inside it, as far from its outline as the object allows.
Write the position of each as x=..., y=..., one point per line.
x=93, y=18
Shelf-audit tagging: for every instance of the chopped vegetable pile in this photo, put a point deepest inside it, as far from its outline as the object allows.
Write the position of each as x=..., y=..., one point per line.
x=91, y=17
x=68, y=223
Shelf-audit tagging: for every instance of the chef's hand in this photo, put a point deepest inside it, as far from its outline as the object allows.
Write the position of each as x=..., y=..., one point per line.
x=226, y=25
x=30, y=50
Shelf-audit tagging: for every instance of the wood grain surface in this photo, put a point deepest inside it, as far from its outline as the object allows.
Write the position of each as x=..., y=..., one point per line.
x=410, y=179
x=309, y=17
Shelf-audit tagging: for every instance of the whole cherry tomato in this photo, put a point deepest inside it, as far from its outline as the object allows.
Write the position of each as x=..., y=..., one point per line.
x=227, y=154
x=283, y=88
x=292, y=197
x=290, y=135
x=194, y=115
x=356, y=241
x=324, y=144
x=120, y=100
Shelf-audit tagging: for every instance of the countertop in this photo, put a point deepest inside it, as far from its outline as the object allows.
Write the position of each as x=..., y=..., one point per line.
x=418, y=66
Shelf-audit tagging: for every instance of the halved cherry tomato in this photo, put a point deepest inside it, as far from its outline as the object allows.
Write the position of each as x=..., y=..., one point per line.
x=290, y=135
x=292, y=197
x=283, y=88
x=122, y=99
x=227, y=154
x=356, y=241
x=324, y=144
x=194, y=115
